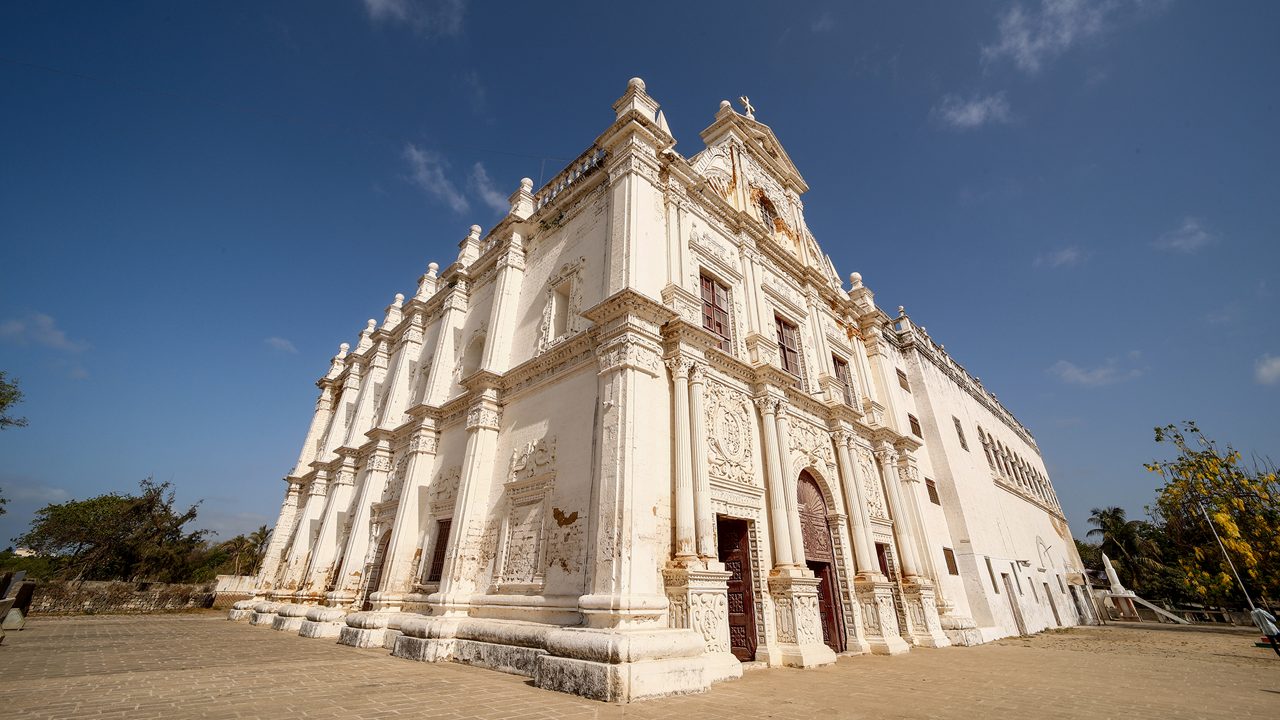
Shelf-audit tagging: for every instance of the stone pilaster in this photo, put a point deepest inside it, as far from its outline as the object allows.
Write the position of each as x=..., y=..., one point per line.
x=686, y=543
x=879, y=618
x=922, y=609
x=294, y=568
x=779, y=524
x=402, y=553
x=705, y=516
x=273, y=557
x=328, y=542
x=350, y=575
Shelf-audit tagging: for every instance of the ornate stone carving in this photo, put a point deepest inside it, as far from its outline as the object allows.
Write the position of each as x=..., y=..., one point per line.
x=729, y=434
x=569, y=280
x=380, y=463
x=395, y=482
x=785, y=617
x=444, y=489
x=630, y=351
x=425, y=442
x=481, y=417
x=810, y=445
x=871, y=484
x=709, y=616
x=535, y=458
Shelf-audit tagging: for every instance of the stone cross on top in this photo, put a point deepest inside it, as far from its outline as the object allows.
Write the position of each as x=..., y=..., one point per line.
x=747, y=107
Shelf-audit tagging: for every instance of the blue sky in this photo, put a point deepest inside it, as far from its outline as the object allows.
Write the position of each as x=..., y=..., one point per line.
x=198, y=202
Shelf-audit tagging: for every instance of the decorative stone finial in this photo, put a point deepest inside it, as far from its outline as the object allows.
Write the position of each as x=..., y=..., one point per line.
x=636, y=83
x=432, y=268
x=371, y=325
x=725, y=105
x=902, y=310
x=855, y=279
x=475, y=231
x=399, y=300
x=747, y=108
x=343, y=349
x=526, y=184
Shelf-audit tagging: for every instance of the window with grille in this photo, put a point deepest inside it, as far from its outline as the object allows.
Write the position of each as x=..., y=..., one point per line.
x=915, y=426
x=964, y=445
x=715, y=311
x=788, y=346
x=902, y=381
x=846, y=380
x=932, y=487
x=438, y=553
x=950, y=557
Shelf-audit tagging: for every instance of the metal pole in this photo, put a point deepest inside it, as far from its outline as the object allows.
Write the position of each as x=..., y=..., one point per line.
x=1226, y=555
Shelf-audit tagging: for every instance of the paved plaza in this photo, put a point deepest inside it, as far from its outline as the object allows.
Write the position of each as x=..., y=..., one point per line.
x=200, y=665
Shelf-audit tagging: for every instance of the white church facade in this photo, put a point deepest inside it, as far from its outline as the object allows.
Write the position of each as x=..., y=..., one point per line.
x=640, y=433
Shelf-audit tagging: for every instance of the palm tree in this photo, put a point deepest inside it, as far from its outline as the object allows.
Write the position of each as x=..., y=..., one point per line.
x=237, y=547
x=258, y=539
x=1128, y=541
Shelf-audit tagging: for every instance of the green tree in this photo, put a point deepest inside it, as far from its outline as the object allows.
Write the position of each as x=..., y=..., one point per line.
x=119, y=537
x=1204, y=484
x=1131, y=544
x=10, y=395
x=259, y=538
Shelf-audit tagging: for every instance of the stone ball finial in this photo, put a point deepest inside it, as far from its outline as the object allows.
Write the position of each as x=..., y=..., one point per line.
x=724, y=104
x=399, y=299
x=432, y=268
x=369, y=326
x=526, y=184
x=343, y=348
x=901, y=310
x=636, y=83
x=475, y=229
x=855, y=278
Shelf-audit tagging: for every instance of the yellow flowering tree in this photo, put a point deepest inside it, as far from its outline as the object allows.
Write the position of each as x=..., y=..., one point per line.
x=1243, y=504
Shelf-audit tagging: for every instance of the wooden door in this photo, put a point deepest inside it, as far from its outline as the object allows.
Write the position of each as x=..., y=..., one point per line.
x=374, y=583
x=735, y=553
x=820, y=557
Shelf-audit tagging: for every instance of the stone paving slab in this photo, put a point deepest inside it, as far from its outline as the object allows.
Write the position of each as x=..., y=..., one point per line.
x=202, y=666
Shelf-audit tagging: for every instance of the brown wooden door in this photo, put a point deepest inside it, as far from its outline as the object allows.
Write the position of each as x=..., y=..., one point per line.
x=828, y=606
x=735, y=553
x=820, y=556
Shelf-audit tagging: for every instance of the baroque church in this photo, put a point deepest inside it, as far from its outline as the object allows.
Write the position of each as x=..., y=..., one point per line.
x=640, y=434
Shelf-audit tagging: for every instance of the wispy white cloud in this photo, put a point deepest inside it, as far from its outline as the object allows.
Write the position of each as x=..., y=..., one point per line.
x=1061, y=258
x=1113, y=371
x=428, y=172
x=280, y=344
x=1189, y=237
x=477, y=93
x=1267, y=370
x=427, y=17
x=480, y=183
x=973, y=112
x=37, y=328
x=1030, y=38
x=823, y=23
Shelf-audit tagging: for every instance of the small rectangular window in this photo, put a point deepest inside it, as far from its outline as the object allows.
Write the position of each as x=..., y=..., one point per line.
x=932, y=487
x=991, y=571
x=560, y=310
x=964, y=445
x=915, y=426
x=842, y=374
x=1034, y=593
x=715, y=311
x=950, y=557
x=1062, y=587
x=438, y=553
x=1016, y=580
x=788, y=346
x=902, y=381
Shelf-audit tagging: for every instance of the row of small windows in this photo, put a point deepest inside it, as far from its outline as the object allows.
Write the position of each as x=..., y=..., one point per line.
x=1013, y=468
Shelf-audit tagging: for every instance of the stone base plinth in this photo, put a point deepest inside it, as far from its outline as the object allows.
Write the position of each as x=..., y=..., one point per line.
x=264, y=613
x=961, y=630
x=289, y=617
x=323, y=622
x=799, y=630
x=879, y=618
x=370, y=629
x=242, y=610
x=698, y=600
x=925, y=627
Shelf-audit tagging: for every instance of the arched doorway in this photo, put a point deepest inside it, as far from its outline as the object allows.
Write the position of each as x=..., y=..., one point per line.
x=819, y=555
x=375, y=571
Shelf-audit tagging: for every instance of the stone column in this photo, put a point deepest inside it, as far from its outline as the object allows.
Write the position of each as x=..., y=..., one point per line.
x=686, y=547
x=289, y=577
x=705, y=516
x=855, y=506
x=273, y=557
x=923, y=625
x=789, y=488
x=502, y=316
x=779, y=520
x=907, y=562
x=324, y=551
x=351, y=573
x=464, y=565
x=402, y=553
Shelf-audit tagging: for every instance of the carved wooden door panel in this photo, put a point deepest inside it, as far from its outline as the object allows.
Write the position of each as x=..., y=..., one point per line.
x=735, y=553
x=820, y=557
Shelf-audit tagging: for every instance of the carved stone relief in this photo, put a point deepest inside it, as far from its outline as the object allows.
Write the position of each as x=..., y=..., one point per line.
x=729, y=438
